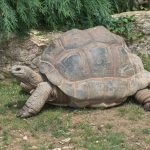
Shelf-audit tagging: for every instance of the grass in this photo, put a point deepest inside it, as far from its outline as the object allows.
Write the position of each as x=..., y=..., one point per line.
x=53, y=124
x=5, y=137
x=146, y=131
x=99, y=140
x=133, y=112
x=146, y=61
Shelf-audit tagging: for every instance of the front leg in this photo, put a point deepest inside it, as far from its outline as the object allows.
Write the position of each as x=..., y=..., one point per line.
x=27, y=88
x=36, y=101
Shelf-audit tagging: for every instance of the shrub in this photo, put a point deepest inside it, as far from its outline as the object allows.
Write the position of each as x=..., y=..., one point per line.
x=18, y=16
x=128, y=5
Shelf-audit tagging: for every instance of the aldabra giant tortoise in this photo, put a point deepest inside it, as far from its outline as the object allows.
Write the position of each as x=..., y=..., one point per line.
x=85, y=68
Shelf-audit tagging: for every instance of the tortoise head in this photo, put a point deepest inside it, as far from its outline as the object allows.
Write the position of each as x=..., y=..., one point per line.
x=26, y=75
x=21, y=72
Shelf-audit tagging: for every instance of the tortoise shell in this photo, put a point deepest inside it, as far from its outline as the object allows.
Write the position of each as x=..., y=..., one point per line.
x=91, y=64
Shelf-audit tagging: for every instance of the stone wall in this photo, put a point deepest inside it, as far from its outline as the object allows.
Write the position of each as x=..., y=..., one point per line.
x=28, y=50
x=24, y=51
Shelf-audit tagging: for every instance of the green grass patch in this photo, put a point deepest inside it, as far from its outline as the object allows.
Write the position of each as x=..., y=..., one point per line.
x=146, y=61
x=147, y=140
x=52, y=120
x=5, y=137
x=131, y=111
x=146, y=131
x=10, y=97
x=109, y=126
x=54, y=124
x=99, y=140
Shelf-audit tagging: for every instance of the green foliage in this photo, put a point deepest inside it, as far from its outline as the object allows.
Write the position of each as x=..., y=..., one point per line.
x=129, y=5
x=27, y=12
x=131, y=111
x=146, y=61
x=126, y=27
x=21, y=15
x=123, y=5
x=18, y=16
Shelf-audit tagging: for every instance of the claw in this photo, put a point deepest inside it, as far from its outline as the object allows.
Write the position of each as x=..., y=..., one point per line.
x=147, y=106
x=23, y=113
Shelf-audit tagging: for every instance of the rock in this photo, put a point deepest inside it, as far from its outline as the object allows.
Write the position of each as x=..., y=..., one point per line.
x=68, y=148
x=24, y=51
x=25, y=138
x=5, y=72
x=15, y=105
x=67, y=140
x=2, y=77
x=34, y=147
x=56, y=149
x=142, y=18
x=137, y=143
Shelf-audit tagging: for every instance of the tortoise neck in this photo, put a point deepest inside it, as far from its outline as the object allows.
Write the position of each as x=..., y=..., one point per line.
x=34, y=78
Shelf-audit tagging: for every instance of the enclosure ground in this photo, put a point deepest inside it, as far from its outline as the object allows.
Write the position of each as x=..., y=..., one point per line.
x=126, y=127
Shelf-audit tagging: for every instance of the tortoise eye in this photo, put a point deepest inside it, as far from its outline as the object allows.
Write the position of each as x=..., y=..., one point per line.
x=18, y=69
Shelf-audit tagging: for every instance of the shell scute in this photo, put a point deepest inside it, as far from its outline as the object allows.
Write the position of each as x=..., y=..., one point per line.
x=72, y=39
x=72, y=67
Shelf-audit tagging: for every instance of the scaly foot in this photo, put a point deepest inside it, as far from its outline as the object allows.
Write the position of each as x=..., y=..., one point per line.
x=24, y=112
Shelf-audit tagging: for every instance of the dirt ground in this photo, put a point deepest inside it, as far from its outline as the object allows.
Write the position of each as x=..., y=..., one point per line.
x=126, y=127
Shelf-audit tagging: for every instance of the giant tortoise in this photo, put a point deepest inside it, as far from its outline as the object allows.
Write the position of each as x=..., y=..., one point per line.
x=84, y=68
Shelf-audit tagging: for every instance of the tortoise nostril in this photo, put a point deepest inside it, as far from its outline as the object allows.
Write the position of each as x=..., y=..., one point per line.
x=18, y=69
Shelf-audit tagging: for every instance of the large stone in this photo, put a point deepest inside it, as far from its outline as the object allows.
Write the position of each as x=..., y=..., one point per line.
x=24, y=51
x=2, y=77
x=142, y=19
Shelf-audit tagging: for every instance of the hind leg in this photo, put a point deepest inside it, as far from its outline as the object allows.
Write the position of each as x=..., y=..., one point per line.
x=143, y=97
